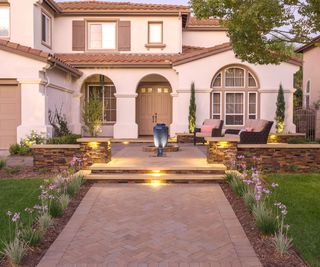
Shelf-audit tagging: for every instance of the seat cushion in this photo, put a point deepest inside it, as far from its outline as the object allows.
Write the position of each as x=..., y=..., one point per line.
x=256, y=125
x=213, y=122
x=207, y=128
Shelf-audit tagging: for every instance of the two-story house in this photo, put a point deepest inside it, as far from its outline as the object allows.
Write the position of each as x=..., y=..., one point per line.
x=141, y=59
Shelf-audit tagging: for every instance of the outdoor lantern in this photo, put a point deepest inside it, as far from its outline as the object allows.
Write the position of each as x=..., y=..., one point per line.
x=160, y=136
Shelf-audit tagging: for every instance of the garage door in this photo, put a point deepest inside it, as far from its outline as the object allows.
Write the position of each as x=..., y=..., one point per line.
x=10, y=117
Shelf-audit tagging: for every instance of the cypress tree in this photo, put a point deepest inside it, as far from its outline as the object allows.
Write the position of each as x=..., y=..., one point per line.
x=281, y=109
x=192, y=109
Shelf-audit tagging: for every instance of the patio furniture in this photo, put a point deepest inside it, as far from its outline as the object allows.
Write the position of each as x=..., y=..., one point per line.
x=254, y=132
x=210, y=128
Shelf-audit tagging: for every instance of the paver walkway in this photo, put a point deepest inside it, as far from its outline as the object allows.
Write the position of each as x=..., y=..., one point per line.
x=141, y=225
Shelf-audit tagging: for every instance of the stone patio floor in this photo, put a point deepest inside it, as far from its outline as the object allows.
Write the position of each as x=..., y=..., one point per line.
x=143, y=225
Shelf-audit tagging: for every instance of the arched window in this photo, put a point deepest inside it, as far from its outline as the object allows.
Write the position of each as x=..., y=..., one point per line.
x=234, y=97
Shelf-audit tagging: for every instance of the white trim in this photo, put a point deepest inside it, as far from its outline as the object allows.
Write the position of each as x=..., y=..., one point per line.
x=60, y=88
x=243, y=108
x=244, y=77
x=220, y=114
x=214, y=79
x=248, y=104
x=47, y=27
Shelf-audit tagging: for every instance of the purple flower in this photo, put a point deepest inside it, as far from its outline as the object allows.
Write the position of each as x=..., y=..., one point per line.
x=16, y=217
x=274, y=185
x=9, y=213
x=28, y=210
x=52, y=186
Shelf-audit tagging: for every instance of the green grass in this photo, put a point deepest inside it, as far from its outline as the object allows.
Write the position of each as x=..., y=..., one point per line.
x=16, y=195
x=301, y=194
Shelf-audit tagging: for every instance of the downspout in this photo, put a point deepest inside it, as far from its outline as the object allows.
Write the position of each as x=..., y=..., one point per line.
x=46, y=85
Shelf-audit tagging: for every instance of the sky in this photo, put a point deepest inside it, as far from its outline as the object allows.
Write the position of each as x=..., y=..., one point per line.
x=174, y=2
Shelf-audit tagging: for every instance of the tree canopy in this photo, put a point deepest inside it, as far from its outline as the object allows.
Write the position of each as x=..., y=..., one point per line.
x=263, y=31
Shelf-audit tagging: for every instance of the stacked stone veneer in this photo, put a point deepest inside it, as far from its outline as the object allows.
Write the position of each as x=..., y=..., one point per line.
x=271, y=157
x=184, y=138
x=54, y=156
x=89, y=150
x=284, y=138
x=94, y=151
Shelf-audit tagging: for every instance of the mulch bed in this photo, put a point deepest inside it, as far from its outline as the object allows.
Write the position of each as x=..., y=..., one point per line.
x=262, y=245
x=35, y=254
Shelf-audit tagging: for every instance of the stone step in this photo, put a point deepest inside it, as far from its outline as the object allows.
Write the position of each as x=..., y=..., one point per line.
x=147, y=178
x=100, y=168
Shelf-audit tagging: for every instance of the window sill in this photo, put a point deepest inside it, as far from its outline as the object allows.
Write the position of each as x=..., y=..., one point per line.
x=150, y=46
x=46, y=45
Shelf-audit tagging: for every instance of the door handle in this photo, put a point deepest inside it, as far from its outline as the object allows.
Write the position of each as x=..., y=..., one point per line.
x=156, y=117
x=153, y=118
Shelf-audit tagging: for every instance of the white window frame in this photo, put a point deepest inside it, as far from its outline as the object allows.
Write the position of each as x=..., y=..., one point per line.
x=214, y=79
x=220, y=114
x=150, y=23
x=103, y=97
x=48, y=20
x=248, y=104
x=243, y=108
x=253, y=76
x=9, y=22
x=244, y=77
x=101, y=23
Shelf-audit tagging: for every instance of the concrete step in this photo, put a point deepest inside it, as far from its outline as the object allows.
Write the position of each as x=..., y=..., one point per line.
x=159, y=177
x=217, y=169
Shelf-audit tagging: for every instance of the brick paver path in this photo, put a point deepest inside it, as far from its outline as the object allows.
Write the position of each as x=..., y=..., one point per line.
x=141, y=225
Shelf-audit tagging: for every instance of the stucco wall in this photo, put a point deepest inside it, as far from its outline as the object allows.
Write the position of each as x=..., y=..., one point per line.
x=311, y=72
x=204, y=38
x=172, y=34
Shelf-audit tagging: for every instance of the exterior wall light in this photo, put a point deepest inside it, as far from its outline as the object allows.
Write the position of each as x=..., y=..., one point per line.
x=93, y=145
x=223, y=144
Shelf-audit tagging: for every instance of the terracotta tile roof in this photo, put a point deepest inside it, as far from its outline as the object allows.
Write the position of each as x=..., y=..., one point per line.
x=104, y=59
x=194, y=22
x=37, y=54
x=103, y=6
x=309, y=45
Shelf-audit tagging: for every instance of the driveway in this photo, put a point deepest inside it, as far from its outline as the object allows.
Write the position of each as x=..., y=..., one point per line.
x=144, y=225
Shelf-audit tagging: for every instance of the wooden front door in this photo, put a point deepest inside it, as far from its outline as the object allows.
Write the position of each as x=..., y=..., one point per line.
x=154, y=105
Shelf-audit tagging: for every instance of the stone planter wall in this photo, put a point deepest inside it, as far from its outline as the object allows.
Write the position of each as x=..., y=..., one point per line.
x=54, y=156
x=95, y=150
x=89, y=150
x=283, y=157
x=284, y=138
x=184, y=138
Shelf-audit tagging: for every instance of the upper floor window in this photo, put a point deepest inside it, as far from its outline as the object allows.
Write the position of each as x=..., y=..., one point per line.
x=4, y=21
x=102, y=35
x=234, y=77
x=45, y=29
x=155, y=33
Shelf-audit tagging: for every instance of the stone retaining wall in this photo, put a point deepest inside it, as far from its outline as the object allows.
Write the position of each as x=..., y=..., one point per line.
x=284, y=138
x=283, y=157
x=271, y=157
x=89, y=150
x=54, y=156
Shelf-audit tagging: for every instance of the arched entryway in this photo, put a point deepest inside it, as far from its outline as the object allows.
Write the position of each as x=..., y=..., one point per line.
x=154, y=103
x=104, y=88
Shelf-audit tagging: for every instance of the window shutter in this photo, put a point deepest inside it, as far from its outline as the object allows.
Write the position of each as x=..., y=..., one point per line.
x=124, y=36
x=78, y=35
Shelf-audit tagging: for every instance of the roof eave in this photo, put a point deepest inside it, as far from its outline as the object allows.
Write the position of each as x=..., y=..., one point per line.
x=72, y=70
x=53, y=5
x=121, y=65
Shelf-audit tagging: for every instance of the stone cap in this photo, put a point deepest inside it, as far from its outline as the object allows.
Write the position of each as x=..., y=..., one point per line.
x=227, y=138
x=55, y=146
x=93, y=139
x=281, y=145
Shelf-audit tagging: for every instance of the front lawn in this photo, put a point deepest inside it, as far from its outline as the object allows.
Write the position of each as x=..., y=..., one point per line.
x=16, y=195
x=301, y=194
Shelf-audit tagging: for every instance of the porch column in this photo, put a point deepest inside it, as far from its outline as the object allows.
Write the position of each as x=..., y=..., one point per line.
x=33, y=109
x=126, y=126
x=76, y=113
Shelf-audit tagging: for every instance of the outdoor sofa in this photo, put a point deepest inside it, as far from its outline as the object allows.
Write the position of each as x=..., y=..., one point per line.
x=210, y=128
x=254, y=132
